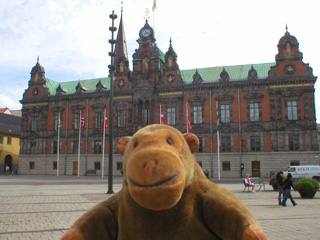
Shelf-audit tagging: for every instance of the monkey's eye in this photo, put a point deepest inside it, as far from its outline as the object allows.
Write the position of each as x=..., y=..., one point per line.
x=136, y=143
x=169, y=141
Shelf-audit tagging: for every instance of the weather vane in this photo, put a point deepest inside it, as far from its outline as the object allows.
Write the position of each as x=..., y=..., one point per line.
x=147, y=15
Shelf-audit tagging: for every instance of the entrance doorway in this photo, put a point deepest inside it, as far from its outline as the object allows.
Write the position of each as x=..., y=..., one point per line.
x=75, y=168
x=7, y=162
x=255, y=165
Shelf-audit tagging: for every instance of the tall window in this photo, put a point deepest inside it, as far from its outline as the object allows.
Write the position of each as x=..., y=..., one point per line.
x=121, y=118
x=75, y=147
x=225, y=113
x=225, y=144
x=171, y=116
x=55, y=147
x=98, y=119
x=145, y=116
x=293, y=142
x=201, y=145
x=197, y=114
x=254, y=112
x=56, y=120
x=33, y=147
x=292, y=110
x=255, y=144
x=76, y=120
x=9, y=140
x=97, y=146
x=1, y=139
x=34, y=123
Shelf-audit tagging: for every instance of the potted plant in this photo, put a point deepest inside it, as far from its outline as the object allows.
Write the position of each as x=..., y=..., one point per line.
x=274, y=182
x=307, y=187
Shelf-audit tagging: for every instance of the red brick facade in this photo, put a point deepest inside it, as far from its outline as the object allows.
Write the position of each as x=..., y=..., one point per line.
x=275, y=103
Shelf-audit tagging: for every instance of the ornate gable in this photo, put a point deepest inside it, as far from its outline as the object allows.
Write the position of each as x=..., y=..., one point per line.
x=252, y=74
x=79, y=88
x=197, y=77
x=224, y=76
x=100, y=87
x=289, y=59
x=59, y=90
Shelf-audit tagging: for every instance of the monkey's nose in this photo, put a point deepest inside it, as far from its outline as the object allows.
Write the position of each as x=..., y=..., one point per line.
x=149, y=166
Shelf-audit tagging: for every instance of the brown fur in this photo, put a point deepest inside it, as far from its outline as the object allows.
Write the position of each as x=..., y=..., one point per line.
x=165, y=195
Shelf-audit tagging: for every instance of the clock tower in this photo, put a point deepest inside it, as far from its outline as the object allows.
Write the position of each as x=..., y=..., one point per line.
x=148, y=60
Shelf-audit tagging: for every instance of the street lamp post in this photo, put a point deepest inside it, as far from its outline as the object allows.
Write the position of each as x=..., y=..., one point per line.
x=111, y=67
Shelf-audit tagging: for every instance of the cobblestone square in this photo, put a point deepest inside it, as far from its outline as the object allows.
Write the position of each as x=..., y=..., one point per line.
x=44, y=207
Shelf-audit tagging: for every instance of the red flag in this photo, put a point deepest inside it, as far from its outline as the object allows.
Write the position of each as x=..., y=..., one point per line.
x=154, y=5
x=189, y=124
x=82, y=123
x=105, y=125
x=163, y=119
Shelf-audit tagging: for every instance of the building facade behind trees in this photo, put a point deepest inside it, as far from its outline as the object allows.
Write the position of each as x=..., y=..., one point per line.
x=267, y=111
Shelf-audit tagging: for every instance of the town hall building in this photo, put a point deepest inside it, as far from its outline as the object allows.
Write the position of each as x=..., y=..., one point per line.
x=267, y=111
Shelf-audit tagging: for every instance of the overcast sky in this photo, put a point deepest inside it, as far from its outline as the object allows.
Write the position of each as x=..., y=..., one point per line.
x=71, y=37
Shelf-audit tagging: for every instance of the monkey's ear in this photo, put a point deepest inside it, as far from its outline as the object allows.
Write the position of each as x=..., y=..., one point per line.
x=193, y=141
x=122, y=143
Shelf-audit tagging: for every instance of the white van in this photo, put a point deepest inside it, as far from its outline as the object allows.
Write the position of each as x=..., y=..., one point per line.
x=303, y=172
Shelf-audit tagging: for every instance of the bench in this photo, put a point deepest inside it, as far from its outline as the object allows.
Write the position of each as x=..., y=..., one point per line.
x=245, y=185
x=91, y=172
x=260, y=184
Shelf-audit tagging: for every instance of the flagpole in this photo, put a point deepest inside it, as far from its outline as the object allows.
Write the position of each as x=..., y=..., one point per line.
x=187, y=113
x=160, y=115
x=153, y=9
x=58, y=147
x=211, y=138
x=79, y=144
x=218, y=145
x=103, y=141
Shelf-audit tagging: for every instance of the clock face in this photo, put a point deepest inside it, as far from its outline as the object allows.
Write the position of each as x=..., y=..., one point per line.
x=35, y=91
x=146, y=32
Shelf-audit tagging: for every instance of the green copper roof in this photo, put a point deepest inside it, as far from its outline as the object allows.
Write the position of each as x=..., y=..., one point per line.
x=89, y=85
x=236, y=73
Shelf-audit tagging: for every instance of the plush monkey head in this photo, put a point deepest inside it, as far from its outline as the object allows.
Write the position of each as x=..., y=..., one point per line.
x=158, y=164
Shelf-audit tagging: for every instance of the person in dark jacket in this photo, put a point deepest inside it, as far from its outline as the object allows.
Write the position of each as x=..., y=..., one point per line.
x=280, y=185
x=287, y=190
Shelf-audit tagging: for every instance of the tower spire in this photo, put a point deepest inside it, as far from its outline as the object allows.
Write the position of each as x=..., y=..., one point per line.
x=286, y=33
x=121, y=52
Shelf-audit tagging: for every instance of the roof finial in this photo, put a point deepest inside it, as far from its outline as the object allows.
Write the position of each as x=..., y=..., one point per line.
x=121, y=7
x=286, y=28
x=170, y=42
x=147, y=15
x=38, y=59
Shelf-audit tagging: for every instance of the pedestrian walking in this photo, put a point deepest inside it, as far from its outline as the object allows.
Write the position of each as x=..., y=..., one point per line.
x=287, y=185
x=280, y=186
